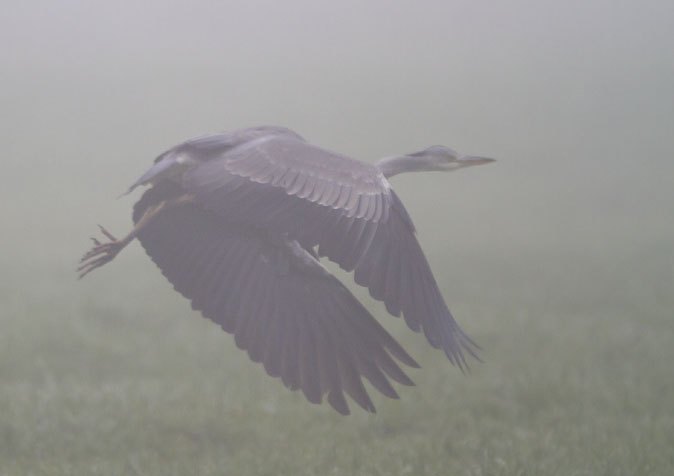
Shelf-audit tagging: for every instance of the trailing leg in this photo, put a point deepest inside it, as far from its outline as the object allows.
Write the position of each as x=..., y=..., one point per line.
x=103, y=253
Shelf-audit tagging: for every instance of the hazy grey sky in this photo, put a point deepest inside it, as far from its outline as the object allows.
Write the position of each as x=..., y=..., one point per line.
x=574, y=98
x=440, y=66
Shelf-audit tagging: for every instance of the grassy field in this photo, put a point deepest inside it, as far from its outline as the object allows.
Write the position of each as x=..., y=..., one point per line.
x=116, y=375
x=558, y=259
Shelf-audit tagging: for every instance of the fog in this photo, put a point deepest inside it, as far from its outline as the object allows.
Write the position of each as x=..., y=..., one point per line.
x=574, y=99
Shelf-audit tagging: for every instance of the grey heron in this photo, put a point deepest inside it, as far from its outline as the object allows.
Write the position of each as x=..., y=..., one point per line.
x=238, y=221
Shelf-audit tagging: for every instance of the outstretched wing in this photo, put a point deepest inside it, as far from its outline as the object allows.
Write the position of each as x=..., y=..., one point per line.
x=281, y=305
x=343, y=206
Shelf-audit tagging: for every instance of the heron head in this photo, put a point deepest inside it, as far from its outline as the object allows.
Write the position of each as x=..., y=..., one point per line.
x=442, y=158
x=433, y=158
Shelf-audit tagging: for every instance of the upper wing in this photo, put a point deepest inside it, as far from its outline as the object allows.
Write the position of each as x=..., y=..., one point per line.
x=343, y=206
x=281, y=305
x=285, y=184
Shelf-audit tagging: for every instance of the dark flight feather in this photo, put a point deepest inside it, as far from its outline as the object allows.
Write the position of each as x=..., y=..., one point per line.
x=281, y=305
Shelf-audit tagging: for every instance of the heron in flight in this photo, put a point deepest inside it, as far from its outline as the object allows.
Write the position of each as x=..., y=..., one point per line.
x=238, y=221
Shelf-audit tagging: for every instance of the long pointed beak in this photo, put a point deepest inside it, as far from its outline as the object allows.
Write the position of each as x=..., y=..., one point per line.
x=470, y=160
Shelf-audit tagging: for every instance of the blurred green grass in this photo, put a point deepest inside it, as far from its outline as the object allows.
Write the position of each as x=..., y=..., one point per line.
x=116, y=375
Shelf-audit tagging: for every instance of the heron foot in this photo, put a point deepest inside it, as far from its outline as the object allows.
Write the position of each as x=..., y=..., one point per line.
x=100, y=253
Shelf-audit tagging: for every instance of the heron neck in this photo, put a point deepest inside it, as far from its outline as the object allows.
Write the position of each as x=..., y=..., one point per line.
x=399, y=164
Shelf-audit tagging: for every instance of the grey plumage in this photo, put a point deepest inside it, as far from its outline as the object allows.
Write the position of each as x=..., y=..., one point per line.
x=252, y=212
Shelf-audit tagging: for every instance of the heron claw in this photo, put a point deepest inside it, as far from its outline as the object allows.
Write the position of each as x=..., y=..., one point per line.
x=109, y=235
x=99, y=254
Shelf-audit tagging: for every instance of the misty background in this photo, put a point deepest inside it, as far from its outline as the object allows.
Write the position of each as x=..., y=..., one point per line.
x=572, y=224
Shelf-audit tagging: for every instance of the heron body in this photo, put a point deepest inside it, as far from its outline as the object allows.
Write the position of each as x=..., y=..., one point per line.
x=238, y=222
